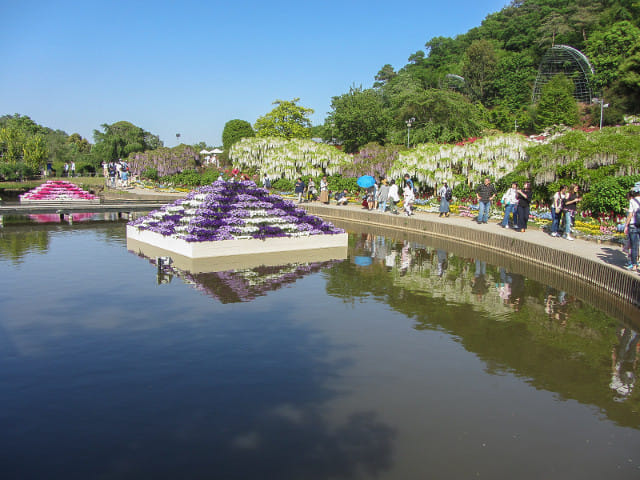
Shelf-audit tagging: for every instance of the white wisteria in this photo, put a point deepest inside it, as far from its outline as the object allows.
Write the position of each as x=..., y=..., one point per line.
x=278, y=157
x=431, y=164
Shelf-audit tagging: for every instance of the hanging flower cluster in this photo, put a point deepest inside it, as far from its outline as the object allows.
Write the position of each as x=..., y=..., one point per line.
x=232, y=210
x=468, y=162
x=57, y=190
x=278, y=157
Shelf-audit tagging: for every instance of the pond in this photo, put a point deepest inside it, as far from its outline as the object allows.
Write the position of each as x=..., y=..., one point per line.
x=401, y=361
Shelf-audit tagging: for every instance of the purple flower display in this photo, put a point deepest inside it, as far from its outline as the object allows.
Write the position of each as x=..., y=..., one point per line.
x=232, y=210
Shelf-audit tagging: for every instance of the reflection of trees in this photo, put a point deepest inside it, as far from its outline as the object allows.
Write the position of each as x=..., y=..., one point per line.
x=509, y=330
x=15, y=246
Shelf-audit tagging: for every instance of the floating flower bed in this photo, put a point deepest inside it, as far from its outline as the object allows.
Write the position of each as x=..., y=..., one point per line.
x=58, y=191
x=224, y=213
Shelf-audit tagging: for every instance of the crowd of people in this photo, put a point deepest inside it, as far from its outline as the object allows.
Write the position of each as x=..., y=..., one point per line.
x=116, y=174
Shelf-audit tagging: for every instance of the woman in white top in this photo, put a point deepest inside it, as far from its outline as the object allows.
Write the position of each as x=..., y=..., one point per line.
x=409, y=198
x=556, y=209
x=631, y=229
x=510, y=206
x=394, y=197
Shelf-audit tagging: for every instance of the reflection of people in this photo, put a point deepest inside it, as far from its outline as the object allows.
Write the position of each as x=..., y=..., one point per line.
x=479, y=285
x=624, y=362
x=504, y=287
x=405, y=259
x=442, y=262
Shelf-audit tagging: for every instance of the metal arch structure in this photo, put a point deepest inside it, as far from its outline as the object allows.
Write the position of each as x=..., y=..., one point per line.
x=453, y=82
x=570, y=62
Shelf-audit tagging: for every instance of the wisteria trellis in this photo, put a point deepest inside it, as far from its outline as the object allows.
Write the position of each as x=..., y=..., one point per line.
x=232, y=210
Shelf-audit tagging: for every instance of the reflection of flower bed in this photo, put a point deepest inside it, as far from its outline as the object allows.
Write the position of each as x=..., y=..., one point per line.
x=247, y=284
x=232, y=210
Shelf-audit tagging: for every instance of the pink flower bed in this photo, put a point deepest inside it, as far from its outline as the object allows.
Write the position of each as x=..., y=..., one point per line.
x=57, y=190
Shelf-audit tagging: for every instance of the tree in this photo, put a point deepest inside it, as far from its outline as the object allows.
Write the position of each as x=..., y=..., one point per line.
x=513, y=79
x=385, y=74
x=557, y=106
x=122, y=138
x=23, y=141
x=608, y=49
x=358, y=117
x=287, y=120
x=479, y=69
x=235, y=130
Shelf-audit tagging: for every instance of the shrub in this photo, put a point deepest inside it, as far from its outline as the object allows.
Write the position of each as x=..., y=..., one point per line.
x=150, y=174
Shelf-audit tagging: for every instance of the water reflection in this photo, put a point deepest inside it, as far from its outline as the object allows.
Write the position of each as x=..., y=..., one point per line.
x=386, y=365
x=538, y=332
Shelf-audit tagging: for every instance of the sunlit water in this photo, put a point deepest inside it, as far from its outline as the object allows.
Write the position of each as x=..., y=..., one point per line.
x=401, y=362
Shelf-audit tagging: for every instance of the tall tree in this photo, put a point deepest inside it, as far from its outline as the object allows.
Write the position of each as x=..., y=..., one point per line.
x=557, y=106
x=358, y=117
x=287, y=120
x=479, y=69
x=120, y=139
x=235, y=130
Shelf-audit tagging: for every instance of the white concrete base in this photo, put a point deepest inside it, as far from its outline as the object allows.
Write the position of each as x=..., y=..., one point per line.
x=226, y=248
x=95, y=201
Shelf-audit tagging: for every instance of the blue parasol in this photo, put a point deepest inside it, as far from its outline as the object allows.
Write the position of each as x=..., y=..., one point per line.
x=362, y=261
x=366, y=181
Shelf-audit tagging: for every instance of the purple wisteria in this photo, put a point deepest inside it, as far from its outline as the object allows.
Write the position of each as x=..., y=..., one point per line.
x=232, y=210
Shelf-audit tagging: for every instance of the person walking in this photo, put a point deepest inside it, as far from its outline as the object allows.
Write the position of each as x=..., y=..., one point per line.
x=524, y=203
x=632, y=229
x=393, y=197
x=570, y=206
x=446, y=194
x=409, y=198
x=383, y=195
x=510, y=202
x=266, y=183
x=299, y=189
x=557, y=203
x=485, y=192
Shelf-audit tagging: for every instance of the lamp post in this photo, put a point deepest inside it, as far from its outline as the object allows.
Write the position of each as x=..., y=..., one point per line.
x=409, y=122
x=178, y=138
x=602, y=107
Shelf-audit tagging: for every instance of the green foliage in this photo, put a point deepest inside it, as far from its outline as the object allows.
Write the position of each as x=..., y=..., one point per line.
x=22, y=141
x=287, y=120
x=235, y=130
x=607, y=50
x=150, y=174
x=557, y=105
x=609, y=195
x=462, y=190
x=17, y=171
x=283, y=185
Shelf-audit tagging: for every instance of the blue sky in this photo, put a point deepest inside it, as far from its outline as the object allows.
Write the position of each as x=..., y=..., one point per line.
x=188, y=67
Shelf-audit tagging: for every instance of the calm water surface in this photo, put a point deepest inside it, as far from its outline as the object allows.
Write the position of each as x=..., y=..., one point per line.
x=400, y=362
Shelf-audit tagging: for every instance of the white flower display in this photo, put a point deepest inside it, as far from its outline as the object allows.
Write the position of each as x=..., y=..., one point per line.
x=278, y=157
x=433, y=164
